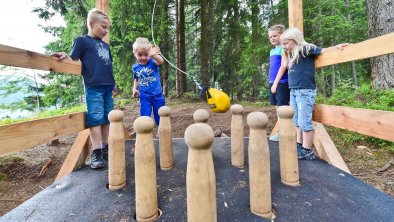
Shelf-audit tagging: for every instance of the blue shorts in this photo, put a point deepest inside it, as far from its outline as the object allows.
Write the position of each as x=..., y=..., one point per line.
x=99, y=103
x=151, y=102
x=302, y=101
x=282, y=95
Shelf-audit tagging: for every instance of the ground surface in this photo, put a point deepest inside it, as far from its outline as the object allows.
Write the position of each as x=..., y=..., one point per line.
x=20, y=177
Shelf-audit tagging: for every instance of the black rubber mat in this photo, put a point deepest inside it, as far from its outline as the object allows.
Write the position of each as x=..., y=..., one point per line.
x=326, y=193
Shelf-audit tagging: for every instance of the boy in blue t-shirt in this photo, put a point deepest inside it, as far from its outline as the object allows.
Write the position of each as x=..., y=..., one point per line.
x=97, y=73
x=278, y=80
x=147, y=78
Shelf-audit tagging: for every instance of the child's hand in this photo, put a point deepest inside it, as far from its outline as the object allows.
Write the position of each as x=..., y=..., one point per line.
x=341, y=46
x=155, y=50
x=115, y=91
x=60, y=55
x=273, y=88
x=135, y=93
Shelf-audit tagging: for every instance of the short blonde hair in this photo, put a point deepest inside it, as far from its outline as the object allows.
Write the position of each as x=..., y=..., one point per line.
x=141, y=43
x=96, y=15
x=278, y=27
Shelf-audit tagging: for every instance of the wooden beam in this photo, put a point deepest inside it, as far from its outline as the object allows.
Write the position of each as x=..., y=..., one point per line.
x=103, y=5
x=77, y=155
x=373, y=123
x=296, y=19
x=20, y=136
x=372, y=47
x=27, y=59
x=326, y=148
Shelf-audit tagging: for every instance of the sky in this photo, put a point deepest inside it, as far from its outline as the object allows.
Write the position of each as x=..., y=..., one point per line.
x=20, y=26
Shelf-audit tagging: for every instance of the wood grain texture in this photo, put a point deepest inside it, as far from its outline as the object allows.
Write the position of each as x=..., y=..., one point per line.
x=326, y=148
x=370, y=48
x=27, y=59
x=296, y=19
x=77, y=154
x=20, y=136
x=373, y=123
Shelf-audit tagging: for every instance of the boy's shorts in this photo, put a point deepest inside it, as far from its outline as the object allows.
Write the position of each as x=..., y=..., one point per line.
x=99, y=103
x=282, y=95
x=302, y=101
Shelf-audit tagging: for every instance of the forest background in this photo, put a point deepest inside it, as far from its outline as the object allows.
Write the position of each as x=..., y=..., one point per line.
x=223, y=43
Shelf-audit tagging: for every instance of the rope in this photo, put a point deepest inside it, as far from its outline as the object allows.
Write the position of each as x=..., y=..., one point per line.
x=154, y=42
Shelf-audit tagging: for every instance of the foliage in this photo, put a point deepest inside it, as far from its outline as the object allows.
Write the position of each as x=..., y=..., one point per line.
x=47, y=113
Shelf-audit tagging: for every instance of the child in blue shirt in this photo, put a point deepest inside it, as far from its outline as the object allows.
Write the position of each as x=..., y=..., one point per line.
x=279, y=88
x=301, y=56
x=147, y=78
x=98, y=78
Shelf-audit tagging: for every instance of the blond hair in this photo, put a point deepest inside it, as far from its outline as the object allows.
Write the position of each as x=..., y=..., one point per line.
x=301, y=45
x=141, y=43
x=278, y=27
x=96, y=15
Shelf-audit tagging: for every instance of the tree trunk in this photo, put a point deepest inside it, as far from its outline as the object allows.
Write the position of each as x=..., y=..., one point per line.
x=380, y=22
x=354, y=71
x=204, y=42
x=165, y=46
x=255, y=26
x=182, y=46
x=178, y=85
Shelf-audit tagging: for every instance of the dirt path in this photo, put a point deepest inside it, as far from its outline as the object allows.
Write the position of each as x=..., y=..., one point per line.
x=21, y=171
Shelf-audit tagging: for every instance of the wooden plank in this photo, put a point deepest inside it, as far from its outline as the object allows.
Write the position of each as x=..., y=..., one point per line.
x=103, y=5
x=275, y=129
x=27, y=59
x=373, y=123
x=77, y=155
x=296, y=19
x=372, y=47
x=20, y=136
x=326, y=148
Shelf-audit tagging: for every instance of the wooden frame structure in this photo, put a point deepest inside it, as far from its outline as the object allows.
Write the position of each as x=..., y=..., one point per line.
x=21, y=136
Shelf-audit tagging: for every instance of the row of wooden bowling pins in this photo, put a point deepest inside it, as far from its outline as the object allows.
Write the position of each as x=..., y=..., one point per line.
x=200, y=175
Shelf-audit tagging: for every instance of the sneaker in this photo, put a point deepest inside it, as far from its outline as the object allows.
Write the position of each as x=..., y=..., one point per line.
x=104, y=152
x=299, y=149
x=96, y=161
x=306, y=154
x=275, y=137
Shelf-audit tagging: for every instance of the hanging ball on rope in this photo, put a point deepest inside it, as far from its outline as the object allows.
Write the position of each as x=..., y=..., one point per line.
x=218, y=100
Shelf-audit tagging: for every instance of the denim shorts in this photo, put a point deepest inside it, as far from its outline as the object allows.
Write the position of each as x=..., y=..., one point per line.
x=99, y=103
x=302, y=101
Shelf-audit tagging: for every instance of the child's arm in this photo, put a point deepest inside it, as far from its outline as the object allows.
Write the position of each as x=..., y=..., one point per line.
x=154, y=53
x=281, y=71
x=332, y=48
x=60, y=55
x=135, y=88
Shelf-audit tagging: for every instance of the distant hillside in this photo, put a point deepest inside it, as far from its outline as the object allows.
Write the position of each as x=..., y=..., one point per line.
x=15, y=96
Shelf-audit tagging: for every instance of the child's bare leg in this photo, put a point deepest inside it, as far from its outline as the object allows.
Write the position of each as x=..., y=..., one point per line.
x=95, y=137
x=299, y=135
x=307, y=139
x=104, y=133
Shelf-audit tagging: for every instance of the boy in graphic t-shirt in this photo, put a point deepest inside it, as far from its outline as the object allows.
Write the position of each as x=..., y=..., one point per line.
x=147, y=78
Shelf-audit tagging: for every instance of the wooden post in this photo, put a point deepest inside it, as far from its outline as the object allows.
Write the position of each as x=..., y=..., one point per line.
x=145, y=171
x=296, y=19
x=259, y=166
x=116, y=151
x=103, y=5
x=165, y=139
x=201, y=116
x=288, y=147
x=200, y=174
x=237, y=136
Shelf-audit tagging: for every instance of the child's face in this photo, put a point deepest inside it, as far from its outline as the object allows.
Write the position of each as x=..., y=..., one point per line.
x=288, y=45
x=274, y=37
x=142, y=56
x=100, y=28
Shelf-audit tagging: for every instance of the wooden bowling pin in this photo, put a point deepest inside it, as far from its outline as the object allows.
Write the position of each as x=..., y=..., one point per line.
x=259, y=166
x=116, y=151
x=201, y=116
x=237, y=136
x=145, y=171
x=165, y=139
x=288, y=147
x=200, y=174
